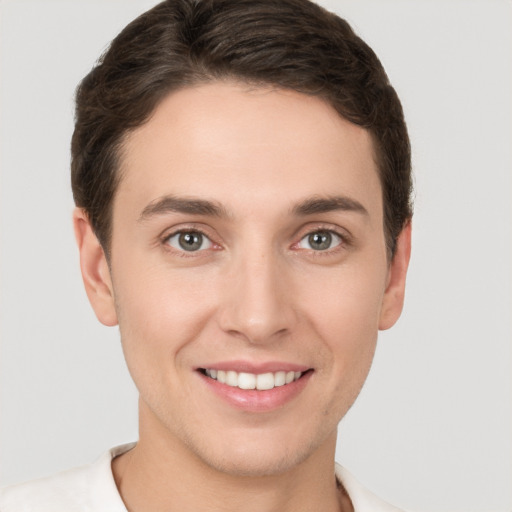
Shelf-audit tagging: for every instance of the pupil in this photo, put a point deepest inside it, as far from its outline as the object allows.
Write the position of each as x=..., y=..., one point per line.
x=191, y=241
x=320, y=240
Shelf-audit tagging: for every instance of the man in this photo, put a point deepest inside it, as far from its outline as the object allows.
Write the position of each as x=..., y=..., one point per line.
x=241, y=172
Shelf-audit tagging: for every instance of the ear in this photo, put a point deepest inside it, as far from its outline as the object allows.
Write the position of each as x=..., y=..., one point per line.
x=393, y=301
x=95, y=269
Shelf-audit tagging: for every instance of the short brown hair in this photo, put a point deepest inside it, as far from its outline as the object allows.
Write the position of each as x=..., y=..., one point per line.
x=290, y=44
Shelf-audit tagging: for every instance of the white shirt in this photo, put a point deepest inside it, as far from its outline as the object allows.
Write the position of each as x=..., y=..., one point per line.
x=92, y=488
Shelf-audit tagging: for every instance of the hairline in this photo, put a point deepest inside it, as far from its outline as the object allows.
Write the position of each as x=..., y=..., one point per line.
x=120, y=146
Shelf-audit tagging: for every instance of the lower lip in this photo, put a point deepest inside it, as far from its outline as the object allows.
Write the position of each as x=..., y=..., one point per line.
x=252, y=400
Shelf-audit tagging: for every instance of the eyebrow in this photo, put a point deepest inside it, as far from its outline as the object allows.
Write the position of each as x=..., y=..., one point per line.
x=196, y=206
x=328, y=204
x=175, y=204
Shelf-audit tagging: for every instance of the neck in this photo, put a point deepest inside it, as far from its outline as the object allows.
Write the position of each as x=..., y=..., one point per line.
x=161, y=473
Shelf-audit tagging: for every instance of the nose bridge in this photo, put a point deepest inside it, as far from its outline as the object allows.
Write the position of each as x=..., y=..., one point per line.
x=257, y=306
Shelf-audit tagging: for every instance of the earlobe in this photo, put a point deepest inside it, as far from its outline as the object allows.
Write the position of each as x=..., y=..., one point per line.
x=95, y=270
x=393, y=301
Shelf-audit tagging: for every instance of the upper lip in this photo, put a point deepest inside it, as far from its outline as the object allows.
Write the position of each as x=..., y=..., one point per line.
x=255, y=367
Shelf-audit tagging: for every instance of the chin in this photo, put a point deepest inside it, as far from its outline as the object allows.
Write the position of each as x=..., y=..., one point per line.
x=256, y=457
x=255, y=464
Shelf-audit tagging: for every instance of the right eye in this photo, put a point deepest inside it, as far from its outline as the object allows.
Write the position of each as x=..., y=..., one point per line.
x=190, y=241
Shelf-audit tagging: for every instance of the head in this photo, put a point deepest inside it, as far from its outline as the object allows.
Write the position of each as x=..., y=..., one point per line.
x=242, y=175
x=293, y=44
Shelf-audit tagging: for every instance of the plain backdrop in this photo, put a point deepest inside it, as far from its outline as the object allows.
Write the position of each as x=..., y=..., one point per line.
x=432, y=428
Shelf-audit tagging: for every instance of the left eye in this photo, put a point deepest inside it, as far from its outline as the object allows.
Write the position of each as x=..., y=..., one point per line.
x=320, y=241
x=189, y=241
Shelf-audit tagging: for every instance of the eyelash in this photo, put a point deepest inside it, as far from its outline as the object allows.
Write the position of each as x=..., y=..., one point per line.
x=344, y=241
x=182, y=252
x=343, y=244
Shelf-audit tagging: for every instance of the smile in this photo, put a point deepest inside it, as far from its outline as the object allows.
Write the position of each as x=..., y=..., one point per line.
x=261, y=381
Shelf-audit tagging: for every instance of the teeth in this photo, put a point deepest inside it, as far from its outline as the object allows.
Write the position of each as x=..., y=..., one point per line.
x=232, y=378
x=262, y=381
x=279, y=379
x=246, y=381
x=265, y=381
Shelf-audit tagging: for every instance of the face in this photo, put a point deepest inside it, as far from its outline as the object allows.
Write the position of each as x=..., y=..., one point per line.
x=248, y=273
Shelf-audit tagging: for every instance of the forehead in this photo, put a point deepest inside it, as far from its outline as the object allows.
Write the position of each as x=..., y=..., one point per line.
x=247, y=146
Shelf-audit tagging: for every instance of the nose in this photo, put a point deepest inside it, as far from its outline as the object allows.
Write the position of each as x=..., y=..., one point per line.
x=257, y=302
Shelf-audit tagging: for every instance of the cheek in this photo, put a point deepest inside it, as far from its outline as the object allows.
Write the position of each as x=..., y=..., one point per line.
x=159, y=313
x=346, y=303
x=350, y=335
x=345, y=315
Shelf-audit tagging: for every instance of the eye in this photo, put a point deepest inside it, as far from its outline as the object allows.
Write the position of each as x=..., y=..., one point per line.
x=190, y=241
x=320, y=241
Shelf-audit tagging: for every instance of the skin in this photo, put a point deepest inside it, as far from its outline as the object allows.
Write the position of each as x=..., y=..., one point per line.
x=256, y=291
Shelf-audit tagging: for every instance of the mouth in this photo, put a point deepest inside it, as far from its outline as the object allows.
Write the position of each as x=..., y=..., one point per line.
x=250, y=381
x=254, y=389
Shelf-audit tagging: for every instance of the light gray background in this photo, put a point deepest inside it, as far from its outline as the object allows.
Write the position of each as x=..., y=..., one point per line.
x=432, y=428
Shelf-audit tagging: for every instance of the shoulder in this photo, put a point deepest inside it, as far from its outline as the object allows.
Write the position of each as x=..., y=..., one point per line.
x=88, y=488
x=63, y=491
x=362, y=499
